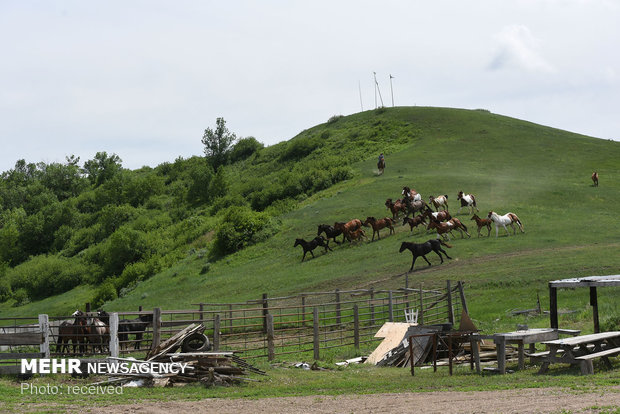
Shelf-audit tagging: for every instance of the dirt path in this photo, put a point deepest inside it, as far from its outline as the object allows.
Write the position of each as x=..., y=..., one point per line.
x=544, y=400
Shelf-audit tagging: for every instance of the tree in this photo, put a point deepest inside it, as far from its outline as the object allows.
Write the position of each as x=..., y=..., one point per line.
x=218, y=143
x=102, y=168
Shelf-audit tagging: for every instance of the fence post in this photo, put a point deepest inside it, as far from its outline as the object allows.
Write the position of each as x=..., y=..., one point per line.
x=421, y=310
x=463, y=301
x=356, y=327
x=44, y=325
x=270, y=334
x=114, y=352
x=450, y=309
x=156, y=327
x=407, y=291
x=338, y=320
x=303, y=310
x=315, y=322
x=230, y=318
x=87, y=306
x=202, y=315
x=265, y=312
x=390, y=307
x=216, y=332
x=372, y=306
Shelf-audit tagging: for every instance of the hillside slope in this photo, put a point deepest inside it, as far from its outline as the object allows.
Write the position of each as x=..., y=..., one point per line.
x=540, y=173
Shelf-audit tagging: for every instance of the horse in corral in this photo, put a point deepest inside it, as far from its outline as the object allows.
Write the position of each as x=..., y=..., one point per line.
x=135, y=326
x=422, y=249
x=71, y=331
x=411, y=194
x=414, y=206
x=311, y=245
x=506, y=219
x=96, y=332
x=104, y=317
x=381, y=166
x=395, y=207
x=330, y=232
x=467, y=200
x=414, y=221
x=439, y=201
x=378, y=225
x=595, y=178
x=480, y=222
x=348, y=227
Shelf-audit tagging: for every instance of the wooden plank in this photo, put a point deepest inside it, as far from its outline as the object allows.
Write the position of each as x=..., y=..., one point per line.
x=10, y=369
x=607, y=352
x=22, y=338
x=21, y=355
x=584, y=339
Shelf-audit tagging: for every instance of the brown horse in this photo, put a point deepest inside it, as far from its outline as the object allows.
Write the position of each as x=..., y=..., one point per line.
x=381, y=166
x=395, y=207
x=480, y=222
x=348, y=227
x=595, y=178
x=414, y=206
x=72, y=331
x=378, y=225
x=448, y=226
x=357, y=235
x=459, y=226
x=439, y=215
x=439, y=201
x=414, y=222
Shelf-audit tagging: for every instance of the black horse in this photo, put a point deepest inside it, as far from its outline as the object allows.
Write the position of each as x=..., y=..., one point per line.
x=311, y=245
x=425, y=248
x=330, y=232
x=134, y=326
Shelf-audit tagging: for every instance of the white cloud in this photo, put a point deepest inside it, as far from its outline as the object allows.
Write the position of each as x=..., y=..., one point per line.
x=518, y=48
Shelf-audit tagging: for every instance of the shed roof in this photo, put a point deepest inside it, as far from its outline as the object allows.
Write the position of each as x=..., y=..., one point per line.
x=589, y=281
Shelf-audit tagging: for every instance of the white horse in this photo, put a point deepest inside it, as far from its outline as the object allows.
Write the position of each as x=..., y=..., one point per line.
x=508, y=218
x=439, y=201
x=467, y=200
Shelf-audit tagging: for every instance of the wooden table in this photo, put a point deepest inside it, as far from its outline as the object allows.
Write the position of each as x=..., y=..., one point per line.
x=581, y=350
x=529, y=336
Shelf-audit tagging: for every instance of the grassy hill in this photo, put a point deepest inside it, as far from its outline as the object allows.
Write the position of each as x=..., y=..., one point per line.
x=541, y=174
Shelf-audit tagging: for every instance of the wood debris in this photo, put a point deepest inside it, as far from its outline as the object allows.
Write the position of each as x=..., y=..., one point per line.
x=207, y=368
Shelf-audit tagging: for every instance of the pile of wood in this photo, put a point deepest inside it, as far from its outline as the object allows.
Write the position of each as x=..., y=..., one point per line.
x=207, y=368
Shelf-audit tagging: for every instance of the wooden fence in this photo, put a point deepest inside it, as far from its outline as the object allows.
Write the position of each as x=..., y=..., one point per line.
x=309, y=323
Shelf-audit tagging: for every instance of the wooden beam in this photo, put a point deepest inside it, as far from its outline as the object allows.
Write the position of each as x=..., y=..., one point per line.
x=594, y=304
x=22, y=338
x=553, y=306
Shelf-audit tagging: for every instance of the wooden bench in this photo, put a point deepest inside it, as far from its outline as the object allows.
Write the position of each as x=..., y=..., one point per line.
x=586, y=365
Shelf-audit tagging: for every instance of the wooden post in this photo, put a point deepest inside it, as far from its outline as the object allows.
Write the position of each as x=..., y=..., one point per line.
x=475, y=351
x=462, y=294
x=407, y=291
x=500, y=346
x=44, y=325
x=450, y=308
x=338, y=320
x=356, y=327
x=303, y=310
x=216, y=332
x=390, y=307
x=594, y=304
x=114, y=350
x=450, y=353
x=315, y=322
x=270, y=335
x=87, y=306
x=372, y=306
x=265, y=312
x=411, y=361
x=435, y=336
x=202, y=315
x=421, y=310
x=156, y=327
x=553, y=306
x=140, y=308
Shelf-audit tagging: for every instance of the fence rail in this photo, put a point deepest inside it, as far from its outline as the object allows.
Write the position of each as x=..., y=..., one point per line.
x=261, y=328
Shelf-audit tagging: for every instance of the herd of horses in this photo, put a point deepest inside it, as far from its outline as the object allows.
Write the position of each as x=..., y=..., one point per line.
x=416, y=212
x=93, y=330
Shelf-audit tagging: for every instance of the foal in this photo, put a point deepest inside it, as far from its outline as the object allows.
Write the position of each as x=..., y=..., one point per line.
x=482, y=223
x=378, y=225
x=311, y=245
x=595, y=178
x=414, y=222
x=423, y=249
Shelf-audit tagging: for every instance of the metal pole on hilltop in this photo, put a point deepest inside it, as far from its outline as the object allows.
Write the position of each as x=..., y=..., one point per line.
x=375, y=76
x=359, y=86
x=392, y=90
x=377, y=89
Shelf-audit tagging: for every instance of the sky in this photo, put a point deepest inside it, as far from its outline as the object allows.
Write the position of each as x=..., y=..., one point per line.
x=144, y=79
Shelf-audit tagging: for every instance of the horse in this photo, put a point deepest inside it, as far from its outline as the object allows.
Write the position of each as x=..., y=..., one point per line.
x=442, y=228
x=357, y=234
x=96, y=332
x=330, y=232
x=437, y=215
x=439, y=201
x=482, y=223
x=396, y=207
x=414, y=222
x=508, y=218
x=71, y=331
x=378, y=225
x=136, y=326
x=348, y=227
x=414, y=206
x=595, y=178
x=459, y=226
x=381, y=166
x=422, y=249
x=411, y=194
x=467, y=200
x=311, y=245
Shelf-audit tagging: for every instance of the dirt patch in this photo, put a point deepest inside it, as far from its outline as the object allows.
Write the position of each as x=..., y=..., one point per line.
x=540, y=400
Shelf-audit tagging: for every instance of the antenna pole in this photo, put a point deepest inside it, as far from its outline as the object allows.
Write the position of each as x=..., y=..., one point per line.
x=377, y=89
x=392, y=90
x=359, y=86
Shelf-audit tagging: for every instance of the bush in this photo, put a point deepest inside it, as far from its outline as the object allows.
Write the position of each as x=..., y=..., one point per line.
x=5, y=290
x=244, y=148
x=299, y=148
x=104, y=293
x=238, y=229
x=21, y=297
